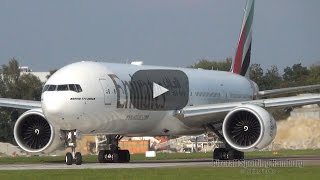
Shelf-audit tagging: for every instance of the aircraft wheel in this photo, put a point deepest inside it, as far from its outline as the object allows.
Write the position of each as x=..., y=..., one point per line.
x=231, y=154
x=224, y=154
x=115, y=157
x=122, y=156
x=102, y=156
x=240, y=155
x=108, y=156
x=217, y=153
x=69, y=158
x=78, y=158
x=127, y=156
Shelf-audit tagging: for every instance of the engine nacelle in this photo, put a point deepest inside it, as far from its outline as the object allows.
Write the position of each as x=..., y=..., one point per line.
x=33, y=133
x=248, y=128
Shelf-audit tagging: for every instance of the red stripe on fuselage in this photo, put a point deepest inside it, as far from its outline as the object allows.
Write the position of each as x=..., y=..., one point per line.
x=238, y=58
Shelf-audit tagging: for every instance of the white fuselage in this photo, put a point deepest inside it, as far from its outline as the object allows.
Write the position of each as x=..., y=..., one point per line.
x=104, y=104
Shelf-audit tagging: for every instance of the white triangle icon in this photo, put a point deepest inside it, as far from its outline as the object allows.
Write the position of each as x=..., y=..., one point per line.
x=158, y=90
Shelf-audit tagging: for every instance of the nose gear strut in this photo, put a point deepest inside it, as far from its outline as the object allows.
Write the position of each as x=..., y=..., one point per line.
x=71, y=141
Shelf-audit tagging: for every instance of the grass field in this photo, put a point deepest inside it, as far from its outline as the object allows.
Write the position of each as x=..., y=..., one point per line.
x=208, y=172
x=307, y=173
x=160, y=156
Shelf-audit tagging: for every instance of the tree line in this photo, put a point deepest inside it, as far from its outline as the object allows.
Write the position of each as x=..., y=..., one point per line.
x=17, y=85
x=271, y=78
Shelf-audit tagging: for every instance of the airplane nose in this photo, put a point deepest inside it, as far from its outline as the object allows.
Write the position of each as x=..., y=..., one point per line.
x=52, y=104
x=57, y=108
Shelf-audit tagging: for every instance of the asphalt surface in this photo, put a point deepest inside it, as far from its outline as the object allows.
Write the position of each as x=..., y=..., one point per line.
x=275, y=162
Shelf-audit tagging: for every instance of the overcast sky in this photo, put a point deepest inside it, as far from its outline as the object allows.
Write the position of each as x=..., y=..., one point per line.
x=45, y=34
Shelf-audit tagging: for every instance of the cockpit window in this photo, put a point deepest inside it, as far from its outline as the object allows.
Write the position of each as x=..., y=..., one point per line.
x=63, y=87
x=72, y=87
x=45, y=88
x=52, y=87
x=79, y=88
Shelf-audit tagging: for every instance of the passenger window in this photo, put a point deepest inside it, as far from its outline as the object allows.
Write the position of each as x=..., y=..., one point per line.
x=52, y=87
x=63, y=87
x=72, y=87
x=79, y=88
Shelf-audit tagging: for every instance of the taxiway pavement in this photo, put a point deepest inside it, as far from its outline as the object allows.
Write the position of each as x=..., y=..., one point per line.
x=304, y=161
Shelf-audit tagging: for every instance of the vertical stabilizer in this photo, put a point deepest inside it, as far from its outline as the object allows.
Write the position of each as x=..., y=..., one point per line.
x=241, y=61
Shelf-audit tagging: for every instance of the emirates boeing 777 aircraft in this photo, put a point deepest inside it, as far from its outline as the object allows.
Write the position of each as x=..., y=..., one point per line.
x=119, y=100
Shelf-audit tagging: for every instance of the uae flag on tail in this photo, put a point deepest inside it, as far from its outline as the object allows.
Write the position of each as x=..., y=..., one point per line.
x=241, y=60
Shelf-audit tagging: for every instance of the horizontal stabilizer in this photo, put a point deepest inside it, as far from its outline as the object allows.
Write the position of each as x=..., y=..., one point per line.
x=272, y=92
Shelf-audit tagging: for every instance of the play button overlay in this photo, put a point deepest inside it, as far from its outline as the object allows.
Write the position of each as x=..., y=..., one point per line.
x=159, y=89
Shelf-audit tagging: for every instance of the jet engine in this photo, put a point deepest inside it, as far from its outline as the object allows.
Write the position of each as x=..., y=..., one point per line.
x=248, y=128
x=33, y=133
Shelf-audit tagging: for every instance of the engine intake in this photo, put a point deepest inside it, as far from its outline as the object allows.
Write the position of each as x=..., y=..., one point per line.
x=248, y=128
x=32, y=131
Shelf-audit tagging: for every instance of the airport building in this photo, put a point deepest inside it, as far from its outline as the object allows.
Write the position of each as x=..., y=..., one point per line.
x=41, y=75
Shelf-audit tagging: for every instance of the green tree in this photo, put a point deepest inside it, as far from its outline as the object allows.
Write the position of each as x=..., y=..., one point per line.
x=296, y=75
x=31, y=86
x=272, y=79
x=314, y=74
x=213, y=65
x=256, y=74
x=15, y=85
x=9, y=79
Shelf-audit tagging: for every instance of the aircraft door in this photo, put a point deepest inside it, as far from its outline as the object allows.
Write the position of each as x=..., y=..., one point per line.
x=108, y=91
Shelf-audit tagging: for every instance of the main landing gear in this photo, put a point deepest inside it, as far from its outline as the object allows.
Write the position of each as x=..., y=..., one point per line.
x=70, y=141
x=113, y=154
x=226, y=153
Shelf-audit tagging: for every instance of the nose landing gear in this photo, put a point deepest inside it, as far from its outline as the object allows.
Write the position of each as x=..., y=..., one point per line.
x=70, y=141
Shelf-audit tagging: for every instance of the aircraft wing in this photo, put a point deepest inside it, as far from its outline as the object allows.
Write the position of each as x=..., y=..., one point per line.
x=267, y=93
x=20, y=104
x=211, y=110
